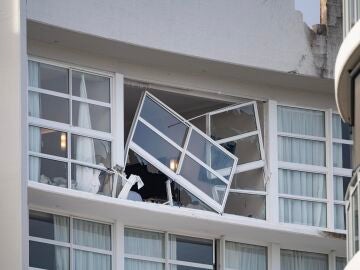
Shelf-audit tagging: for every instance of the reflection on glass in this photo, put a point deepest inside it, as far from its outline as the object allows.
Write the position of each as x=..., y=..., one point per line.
x=342, y=155
x=97, y=87
x=208, y=153
x=200, y=123
x=340, y=186
x=48, y=141
x=301, y=151
x=48, y=107
x=144, y=243
x=301, y=121
x=255, y=256
x=246, y=205
x=242, y=121
x=91, y=150
x=92, y=234
x=339, y=217
x=155, y=145
x=164, y=121
x=49, y=226
x=302, y=183
x=340, y=129
x=189, y=249
x=302, y=212
x=91, y=180
x=47, y=256
x=48, y=171
x=249, y=180
x=140, y=264
x=84, y=260
x=91, y=116
x=203, y=179
x=246, y=150
x=49, y=77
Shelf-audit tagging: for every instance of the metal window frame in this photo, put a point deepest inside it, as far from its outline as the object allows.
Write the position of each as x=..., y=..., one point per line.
x=131, y=145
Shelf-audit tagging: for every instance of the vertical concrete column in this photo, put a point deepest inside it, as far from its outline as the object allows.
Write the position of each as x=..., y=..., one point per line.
x=274, y=257
x=13, y=107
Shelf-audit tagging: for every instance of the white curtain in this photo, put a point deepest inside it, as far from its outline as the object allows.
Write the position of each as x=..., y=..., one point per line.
x=340, y=263
x=339, y=217
x=338, y=188
x=297, y=260
x=337, y=127
x=87, y=178
x=244, y=257
x=96, y=235
x=338, y=155
x=144, y=243
x=61, y=233
x=34, y=111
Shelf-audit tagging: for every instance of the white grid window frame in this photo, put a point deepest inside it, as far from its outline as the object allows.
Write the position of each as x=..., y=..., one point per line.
x=115, y=105
x=328, y=169
x=71, y=245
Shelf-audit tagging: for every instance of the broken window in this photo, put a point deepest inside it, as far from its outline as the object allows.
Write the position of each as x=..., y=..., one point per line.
x=182, y=152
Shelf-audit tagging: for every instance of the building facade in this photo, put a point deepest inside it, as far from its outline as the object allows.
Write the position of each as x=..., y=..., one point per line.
x=347, y=89
x=171, y=135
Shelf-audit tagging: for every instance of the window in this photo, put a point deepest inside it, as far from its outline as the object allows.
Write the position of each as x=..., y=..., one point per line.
x=240, y=256
x=298, y=260
x=60, y=242
x=182, y=152
x=302, y=171
x=70, y=132
x=340, y=263
x=149, y=250
x=342, y=144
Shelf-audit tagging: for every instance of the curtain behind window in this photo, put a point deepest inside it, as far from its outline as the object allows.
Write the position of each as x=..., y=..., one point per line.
x=297, y=260
x=244, y=257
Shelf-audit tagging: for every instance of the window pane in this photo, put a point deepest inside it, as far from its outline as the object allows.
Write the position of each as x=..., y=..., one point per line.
x=302, y=212
x=200, y=123
x=301, y=151
x=340, y=263
x=164, y=121
x=92, y=234
x=48, y=107
x=183, y=198
x=203, y=179
x=342, y=155
x=91, y=116
x=355, y=220
x=92, y=87
x=48, y=226
x=242, y=121
x=340, y=187
x=48, y=171
x=339, y=217
x=246, y=205
x=303, y=260
x=48, y=141
x=302, y=183
x=48, y=77
x=251, y=180
x=189, y=249
x=210, y=154
x=246, y=150
x=91, y=180
x=47, y=256
x=132, y=264
x=144, y=243
x=340, y=129
x=301, y=121
x=183, y=267
x=243, y=256
x=84, y=260
x=156, y=146
x=91, y=150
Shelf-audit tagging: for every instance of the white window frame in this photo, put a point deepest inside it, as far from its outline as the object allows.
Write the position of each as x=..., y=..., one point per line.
x=328, y=170
x=72, y=246
x=116, y=134
x=131, y=145
x=167, y=261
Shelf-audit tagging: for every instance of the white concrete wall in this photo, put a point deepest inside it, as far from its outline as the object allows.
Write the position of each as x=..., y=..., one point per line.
x=268, y=34
x=13, y=192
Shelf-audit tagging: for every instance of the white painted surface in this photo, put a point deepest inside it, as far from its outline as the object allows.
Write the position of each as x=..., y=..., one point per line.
x=258, y=33
x=354, y=263
x=13, y=136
